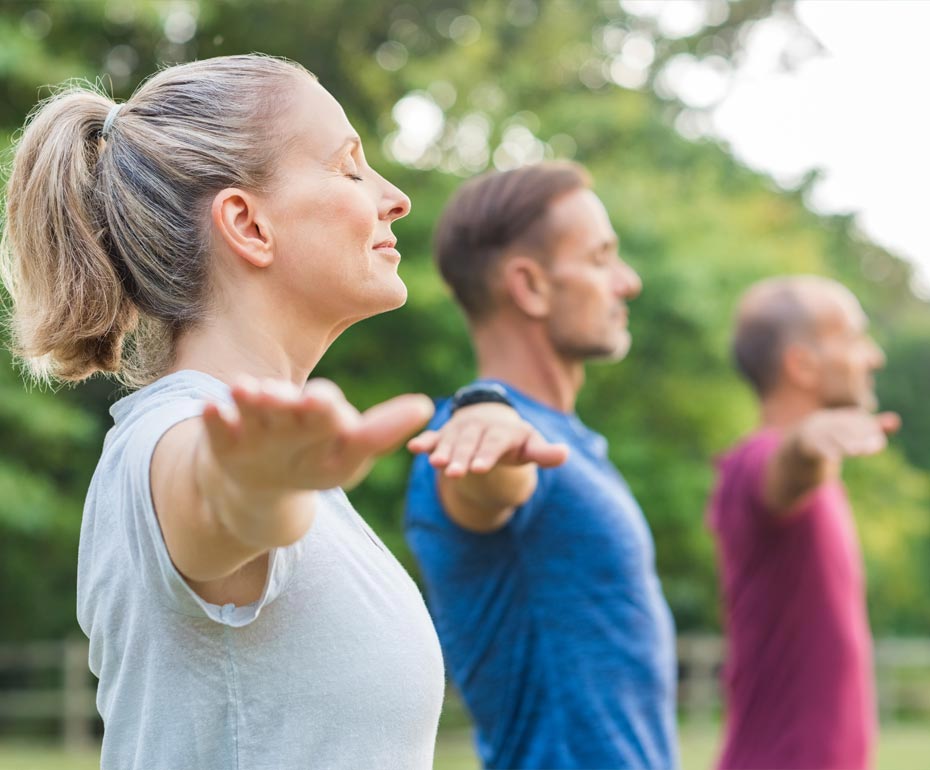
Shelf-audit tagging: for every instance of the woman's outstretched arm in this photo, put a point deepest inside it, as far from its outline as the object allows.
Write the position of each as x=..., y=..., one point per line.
x=240, y=480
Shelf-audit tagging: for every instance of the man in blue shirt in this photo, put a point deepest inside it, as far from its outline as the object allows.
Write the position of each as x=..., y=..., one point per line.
x=538, y=563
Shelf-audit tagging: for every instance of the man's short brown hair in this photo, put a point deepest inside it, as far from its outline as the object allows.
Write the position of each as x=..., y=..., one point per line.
x=492, y=213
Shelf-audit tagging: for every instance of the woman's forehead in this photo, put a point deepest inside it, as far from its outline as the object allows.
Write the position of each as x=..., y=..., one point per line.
x=317, y=121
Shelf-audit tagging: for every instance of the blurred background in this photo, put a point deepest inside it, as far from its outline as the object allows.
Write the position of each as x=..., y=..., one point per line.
x=729, y=140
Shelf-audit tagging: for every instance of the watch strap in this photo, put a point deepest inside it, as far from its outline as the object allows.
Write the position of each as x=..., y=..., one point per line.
x=480, y=393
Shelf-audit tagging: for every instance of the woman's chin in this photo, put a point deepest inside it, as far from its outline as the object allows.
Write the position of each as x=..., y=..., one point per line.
x=389, y=297
x=396, y=296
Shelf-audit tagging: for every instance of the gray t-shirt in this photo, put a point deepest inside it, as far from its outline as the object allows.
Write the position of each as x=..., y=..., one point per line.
x=336, y=666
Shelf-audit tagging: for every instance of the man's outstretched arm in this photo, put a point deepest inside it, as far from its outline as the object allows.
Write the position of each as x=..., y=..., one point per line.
x=487, y=459
x=813, y=452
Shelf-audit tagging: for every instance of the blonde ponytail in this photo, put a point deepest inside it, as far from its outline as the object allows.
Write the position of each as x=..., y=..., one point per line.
x=71, y=312
x=105, y=246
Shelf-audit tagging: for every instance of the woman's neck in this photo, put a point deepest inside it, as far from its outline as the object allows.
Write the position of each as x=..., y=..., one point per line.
x=230, y=347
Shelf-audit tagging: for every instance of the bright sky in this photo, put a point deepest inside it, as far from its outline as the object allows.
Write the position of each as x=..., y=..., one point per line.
x=859, y=111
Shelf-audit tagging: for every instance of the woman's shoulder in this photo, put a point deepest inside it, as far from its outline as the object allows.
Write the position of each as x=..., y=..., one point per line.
x=173, y=389
x=143, y=417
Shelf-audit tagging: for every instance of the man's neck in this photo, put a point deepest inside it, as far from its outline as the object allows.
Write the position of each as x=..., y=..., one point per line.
x=523, y=357
x=783, y=411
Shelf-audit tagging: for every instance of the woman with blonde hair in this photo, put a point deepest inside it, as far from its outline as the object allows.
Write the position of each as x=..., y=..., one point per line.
x=205, y=242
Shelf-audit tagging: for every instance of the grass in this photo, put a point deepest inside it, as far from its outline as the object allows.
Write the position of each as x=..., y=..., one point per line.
x=902, y=747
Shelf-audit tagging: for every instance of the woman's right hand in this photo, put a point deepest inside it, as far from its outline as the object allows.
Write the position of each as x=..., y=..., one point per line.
x=283, y=438
x=243, y=479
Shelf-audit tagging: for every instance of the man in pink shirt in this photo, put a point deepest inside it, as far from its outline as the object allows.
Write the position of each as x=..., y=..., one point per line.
x=798, y=675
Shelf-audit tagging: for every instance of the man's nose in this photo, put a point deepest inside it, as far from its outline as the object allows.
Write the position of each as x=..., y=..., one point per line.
x=627, y=284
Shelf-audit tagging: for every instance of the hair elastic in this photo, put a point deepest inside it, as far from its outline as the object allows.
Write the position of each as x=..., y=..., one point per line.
x=108, y=123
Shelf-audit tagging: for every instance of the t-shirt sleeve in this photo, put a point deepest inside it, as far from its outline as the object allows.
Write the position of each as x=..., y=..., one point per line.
x=158, y=575
x=747, y=480
x=424, y=506
x=754, y=469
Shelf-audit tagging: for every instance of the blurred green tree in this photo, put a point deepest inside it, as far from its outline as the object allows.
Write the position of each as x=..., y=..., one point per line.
x=440, y=90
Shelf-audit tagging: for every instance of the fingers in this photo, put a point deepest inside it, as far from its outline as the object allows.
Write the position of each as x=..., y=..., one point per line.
x=386, y=425
x=266, y=403
x=221, y=424
x=278, y=406
x=445, y=442
x=495, y=443
x=850, y=432
x=889, y=422
x=478, y=447
x=873, y=434
x=425, y=442
x=270, y=410
x=323, y=408
x=544, y=454
x=870, y=443
x=461, y=448
x=863, y=436
x=322, y=391
x=246, y=396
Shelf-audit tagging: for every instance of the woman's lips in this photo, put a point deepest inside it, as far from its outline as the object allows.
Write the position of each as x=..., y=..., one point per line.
x=387, y=249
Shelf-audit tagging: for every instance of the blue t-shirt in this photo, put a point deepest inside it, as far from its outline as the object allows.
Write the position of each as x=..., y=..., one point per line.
x=554, y=628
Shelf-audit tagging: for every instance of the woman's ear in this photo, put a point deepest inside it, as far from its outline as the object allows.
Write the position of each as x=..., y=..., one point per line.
x=241, y=225
x=527, y=285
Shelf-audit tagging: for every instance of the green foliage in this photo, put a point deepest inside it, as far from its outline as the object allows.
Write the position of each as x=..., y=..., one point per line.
x=47, y=454
x=697, y=226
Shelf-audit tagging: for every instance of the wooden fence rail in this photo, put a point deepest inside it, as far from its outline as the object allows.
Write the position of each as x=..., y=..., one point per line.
x=51, y=682
x=902, y=672
x=70, y=699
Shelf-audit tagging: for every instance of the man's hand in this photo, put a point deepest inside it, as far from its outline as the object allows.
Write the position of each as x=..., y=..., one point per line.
x=829, y=435
x=814, y=451
x=480, y=437
x=487, y=459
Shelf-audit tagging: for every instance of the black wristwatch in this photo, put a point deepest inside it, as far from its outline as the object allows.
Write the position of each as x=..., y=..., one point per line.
x=479, y=393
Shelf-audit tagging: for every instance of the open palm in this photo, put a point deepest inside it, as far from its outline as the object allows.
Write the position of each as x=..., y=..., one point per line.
x=281, y=437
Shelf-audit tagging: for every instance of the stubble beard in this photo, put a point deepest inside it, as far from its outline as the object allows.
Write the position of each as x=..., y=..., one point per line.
x=867, y=401
x=595, y=352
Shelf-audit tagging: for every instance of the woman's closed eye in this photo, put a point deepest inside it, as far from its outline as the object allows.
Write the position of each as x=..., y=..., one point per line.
x=352, y=170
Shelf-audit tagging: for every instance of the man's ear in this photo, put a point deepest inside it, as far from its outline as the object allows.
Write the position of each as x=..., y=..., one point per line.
x=800, y=365
x=244, y=229
x=527, y=284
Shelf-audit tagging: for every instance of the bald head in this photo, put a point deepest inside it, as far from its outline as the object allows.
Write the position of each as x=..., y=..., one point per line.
x=777, y=312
